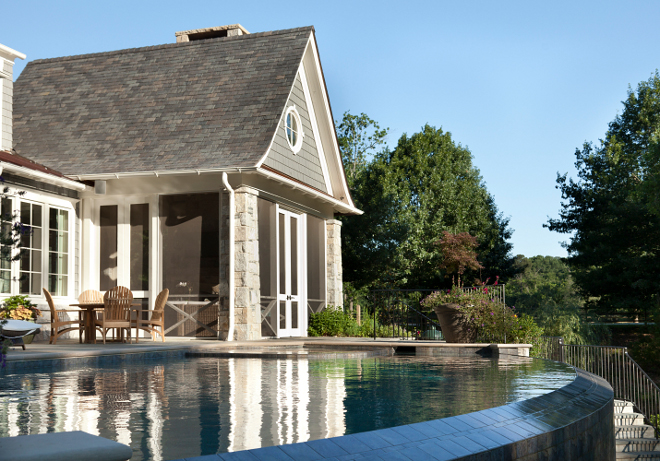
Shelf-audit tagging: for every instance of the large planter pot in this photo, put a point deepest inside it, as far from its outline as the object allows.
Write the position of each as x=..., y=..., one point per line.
x=454, y=324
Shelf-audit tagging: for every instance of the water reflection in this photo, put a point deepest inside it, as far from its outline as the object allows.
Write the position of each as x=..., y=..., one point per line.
x=195, y=407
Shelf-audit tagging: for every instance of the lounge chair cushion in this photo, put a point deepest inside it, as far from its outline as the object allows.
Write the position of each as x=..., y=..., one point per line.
x=63, y=446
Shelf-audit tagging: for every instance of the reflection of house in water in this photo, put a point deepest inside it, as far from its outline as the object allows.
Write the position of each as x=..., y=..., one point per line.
x=170, y=412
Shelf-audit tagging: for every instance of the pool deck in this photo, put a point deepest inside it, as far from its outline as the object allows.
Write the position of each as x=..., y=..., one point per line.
x=71, y=348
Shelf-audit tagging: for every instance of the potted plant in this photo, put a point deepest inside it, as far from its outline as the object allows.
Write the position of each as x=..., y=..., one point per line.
x=463, y=313
x=19, y=307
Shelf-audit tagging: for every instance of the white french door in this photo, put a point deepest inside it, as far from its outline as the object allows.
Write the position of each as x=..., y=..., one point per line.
x=290, y=274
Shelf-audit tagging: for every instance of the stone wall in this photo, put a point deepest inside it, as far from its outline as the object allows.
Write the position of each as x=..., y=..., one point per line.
x=247, y=310
x=335, y=292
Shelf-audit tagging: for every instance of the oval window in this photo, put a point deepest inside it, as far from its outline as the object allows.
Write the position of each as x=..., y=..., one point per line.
x=293, y=129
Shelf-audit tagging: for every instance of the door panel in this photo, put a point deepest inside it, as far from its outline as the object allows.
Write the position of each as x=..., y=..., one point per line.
x=289, y=245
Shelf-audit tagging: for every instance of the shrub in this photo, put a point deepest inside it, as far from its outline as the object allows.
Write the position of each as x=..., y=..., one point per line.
x=332, y=322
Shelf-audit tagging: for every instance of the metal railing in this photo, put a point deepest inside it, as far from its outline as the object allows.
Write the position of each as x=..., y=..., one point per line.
x=628, y=380
x=496, y=292
x=398, y=314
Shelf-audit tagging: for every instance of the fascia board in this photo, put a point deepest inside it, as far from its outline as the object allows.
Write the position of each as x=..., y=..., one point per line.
x=338, y=164
x=9, y=54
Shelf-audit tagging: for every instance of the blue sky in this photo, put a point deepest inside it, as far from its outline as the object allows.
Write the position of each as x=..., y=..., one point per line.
x=521, y=84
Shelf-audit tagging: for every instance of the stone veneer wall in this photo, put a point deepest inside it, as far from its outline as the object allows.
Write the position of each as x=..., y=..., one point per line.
x=247, y=310
x=223, y=287
x=573, y=423
x=334, y=288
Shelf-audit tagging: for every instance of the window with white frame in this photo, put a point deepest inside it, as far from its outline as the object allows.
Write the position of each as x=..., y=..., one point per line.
x=43, y=253
x=58, y=251
x=29, y=280
x=6, y=219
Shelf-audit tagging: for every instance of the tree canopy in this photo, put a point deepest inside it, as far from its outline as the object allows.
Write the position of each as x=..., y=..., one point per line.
x=426, y=185
x=544, y=289
x=612, y=210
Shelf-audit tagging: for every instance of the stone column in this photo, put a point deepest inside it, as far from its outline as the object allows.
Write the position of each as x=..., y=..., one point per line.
x=335, y=291
x=247, y=310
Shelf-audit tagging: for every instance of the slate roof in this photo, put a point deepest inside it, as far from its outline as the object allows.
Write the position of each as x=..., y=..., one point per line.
x=204, y=104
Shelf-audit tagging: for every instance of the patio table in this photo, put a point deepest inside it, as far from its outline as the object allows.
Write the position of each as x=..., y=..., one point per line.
x=90, y=309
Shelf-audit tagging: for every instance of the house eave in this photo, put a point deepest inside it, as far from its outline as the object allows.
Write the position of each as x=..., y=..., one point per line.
x=157, y=173
x=39, y=176
x=338, y=205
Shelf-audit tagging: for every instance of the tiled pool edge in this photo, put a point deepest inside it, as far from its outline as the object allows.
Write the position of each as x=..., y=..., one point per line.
x=575, y=422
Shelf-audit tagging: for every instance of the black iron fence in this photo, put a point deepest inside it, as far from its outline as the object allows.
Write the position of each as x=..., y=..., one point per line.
x=398, y=314
x=627, y=378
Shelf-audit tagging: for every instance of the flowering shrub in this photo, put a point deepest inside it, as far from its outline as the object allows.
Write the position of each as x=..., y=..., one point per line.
x=493, y=320
x=19, y=308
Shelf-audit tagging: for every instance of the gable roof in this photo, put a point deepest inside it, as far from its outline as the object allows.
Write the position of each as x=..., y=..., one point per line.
x=204, y=104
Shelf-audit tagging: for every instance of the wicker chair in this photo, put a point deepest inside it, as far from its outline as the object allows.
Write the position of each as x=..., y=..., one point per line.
x=59, y=319
x=157, y=318
x=116, y=313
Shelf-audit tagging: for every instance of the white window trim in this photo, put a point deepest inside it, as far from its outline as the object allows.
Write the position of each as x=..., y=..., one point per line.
x=46, y=202
x=291, y=110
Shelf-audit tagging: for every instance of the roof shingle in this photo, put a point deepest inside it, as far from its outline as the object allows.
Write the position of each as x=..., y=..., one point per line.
x=205, y=104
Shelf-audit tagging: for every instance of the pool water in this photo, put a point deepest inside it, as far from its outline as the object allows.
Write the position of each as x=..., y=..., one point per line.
x=190, y=407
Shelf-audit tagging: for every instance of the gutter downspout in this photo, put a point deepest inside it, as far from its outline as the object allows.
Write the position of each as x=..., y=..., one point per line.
x=232, y=277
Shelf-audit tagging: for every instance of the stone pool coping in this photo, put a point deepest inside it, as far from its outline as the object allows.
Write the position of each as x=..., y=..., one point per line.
x=574, y=422
x=70, y=353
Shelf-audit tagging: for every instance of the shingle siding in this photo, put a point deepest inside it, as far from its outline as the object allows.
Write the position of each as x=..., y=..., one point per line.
x=305, y=165
x=205, y=104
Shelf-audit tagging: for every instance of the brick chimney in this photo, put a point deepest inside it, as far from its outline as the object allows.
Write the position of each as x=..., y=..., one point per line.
x=7, y=56
x=210, y=32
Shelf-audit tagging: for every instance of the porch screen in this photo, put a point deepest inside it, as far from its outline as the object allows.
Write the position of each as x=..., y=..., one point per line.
x=267, y=267
x=108, y=257
x=190, y=229
x=139, y=246
x=315, y=264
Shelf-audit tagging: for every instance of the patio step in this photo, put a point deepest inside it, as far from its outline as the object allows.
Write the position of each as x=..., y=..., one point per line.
x=639, y=455
x=634, y=432
x=621, y=406
x=637, y=445
x=628, y=419
x=634, y=438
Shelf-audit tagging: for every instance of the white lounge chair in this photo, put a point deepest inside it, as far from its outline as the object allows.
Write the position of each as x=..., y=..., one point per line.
x=16, y=330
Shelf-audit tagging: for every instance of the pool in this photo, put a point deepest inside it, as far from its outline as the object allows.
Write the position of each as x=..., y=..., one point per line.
x=190, y=407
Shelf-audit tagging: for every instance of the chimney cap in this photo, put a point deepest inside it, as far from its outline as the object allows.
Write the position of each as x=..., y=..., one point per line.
x=210, y=32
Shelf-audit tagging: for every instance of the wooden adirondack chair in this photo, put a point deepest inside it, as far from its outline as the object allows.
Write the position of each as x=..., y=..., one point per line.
x=157, y=317
x=116, y=313
x=59, y=319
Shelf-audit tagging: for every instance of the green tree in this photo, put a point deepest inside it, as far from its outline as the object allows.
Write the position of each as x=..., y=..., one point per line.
x=409, y=196
x=544, y=289
x=611, y=212
x=359, y=138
